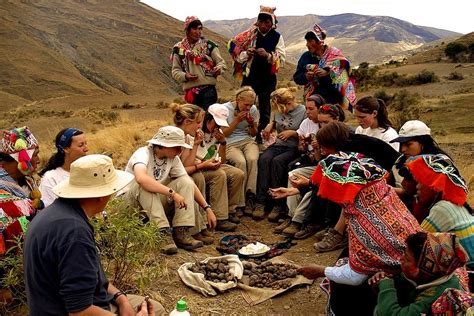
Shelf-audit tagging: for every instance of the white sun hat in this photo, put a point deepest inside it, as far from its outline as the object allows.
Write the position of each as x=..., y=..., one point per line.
x=92, y=176
x=170, y=136
x=410, y=130
x=220, y=113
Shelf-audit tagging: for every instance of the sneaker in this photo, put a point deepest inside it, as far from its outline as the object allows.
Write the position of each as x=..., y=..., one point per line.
x=169, y=247
x=282, y=226
x=259, y=212
x=234, y=219
x=225, y=226
x=291, y=230
x=332, y=241
x=183, y=238
x=206, y=240
x=321, y=234
x=275, y=215
x=308, y=230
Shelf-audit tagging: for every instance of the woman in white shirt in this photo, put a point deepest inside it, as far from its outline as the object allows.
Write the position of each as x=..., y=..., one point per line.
x=71, y=144
x=371, y=113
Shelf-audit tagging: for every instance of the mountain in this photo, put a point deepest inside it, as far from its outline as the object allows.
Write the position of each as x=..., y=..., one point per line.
x=56, y=48
x=372, y=39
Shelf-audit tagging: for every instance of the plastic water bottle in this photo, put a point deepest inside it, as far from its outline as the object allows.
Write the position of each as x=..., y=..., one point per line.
x=181, y=309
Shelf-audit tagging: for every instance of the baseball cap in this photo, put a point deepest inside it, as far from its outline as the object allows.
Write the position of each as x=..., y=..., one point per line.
x=220, y=113
x=410, y=130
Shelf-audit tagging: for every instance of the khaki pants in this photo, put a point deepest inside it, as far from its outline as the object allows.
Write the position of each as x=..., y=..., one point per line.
x=244, y=155
x=157, y=206
x=200, y=214
x=225, y=187
x=297, y=204
x=135, y=301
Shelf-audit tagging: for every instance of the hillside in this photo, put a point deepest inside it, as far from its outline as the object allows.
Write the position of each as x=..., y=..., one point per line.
x=54, y=48
x=363, y=38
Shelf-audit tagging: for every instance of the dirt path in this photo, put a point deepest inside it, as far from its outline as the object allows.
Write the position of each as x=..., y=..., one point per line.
x=300, y=301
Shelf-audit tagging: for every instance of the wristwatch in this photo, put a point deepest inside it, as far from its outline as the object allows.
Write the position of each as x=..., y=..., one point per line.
x=170, y=194
x=206, y=207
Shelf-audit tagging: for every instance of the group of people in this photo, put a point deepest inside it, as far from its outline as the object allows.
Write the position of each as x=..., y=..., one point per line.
x=394, y=201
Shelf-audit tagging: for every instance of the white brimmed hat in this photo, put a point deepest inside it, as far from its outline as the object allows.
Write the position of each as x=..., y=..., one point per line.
x=92, y=176
x=219, y=113
x=410, y=130
x=170, y=136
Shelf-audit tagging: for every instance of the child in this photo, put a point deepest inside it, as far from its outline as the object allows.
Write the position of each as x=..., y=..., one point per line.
x=428, y=267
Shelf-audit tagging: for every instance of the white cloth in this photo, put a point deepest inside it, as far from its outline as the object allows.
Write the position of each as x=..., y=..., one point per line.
x=49, y=181
x=345, y=275
x=307, y=127
x=208, y=148
x=381, y=134
x=162, y=169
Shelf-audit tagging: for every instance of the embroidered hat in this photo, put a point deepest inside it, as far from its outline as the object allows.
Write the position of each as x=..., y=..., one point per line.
x=317, y=33
x=439, y=173
x=270, y=12
x=20, y=144
x=170, y=136
x=341, y=176
x=189, y=20
x=441, y=255
x=220, y=113
x=92, y=176
x=410, y=130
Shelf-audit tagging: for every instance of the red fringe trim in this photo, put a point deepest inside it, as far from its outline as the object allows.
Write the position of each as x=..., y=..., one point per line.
x=439, y=182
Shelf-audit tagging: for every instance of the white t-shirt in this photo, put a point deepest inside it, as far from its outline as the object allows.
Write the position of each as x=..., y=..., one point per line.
x=49, y=181
x=208, y=148
x=379, y=133
x=307, y=127
x=162, y=168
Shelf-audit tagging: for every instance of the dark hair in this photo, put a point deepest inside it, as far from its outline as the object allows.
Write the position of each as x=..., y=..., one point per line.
x=264, y=17
x=194, y=24
x=207, y=117
x=415, y=243
x=430, y=146
x=333, y=110
x=317, y=99
x=57, y=159
x=333, y=135
x=6, y=158
x=312, y=36
x=370, y=104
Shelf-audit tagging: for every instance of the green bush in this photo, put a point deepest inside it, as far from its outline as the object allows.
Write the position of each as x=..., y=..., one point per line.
x=11, y=267
x=454, y=50
x=128, y=247
x=383, y=95
x=455, y=76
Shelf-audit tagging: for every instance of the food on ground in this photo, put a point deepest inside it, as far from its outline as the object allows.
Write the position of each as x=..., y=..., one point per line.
x=270, y=275
x=215, y=270
x=254, y=249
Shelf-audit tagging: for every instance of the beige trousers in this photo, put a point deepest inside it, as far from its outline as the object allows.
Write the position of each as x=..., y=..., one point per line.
x=297, y=204
x=158, y=207
x=200, y=214
x=135, y=301
x=224, y=187
x=244, y=155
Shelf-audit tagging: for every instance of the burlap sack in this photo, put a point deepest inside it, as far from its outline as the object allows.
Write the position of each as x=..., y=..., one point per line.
x=197, y=282
x=254, y=295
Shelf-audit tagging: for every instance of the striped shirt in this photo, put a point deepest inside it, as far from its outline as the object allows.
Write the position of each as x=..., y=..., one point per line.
x=448, y=217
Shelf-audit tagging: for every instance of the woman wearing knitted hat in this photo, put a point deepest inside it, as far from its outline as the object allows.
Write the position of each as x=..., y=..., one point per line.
x=443, y=193
x=19, y=195
x=431, y=283
x=71, y=144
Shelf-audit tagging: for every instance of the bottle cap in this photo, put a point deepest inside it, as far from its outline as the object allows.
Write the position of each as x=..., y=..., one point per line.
x=181, y=306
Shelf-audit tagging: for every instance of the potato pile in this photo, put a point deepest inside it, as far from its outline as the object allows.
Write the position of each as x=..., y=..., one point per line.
x=215, y=270
x=271, y=275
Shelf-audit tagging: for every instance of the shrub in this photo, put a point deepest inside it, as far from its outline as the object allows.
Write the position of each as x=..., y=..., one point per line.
x=11, y=267
x=127, y=247
x=455, y=76
x=383, y=95
x=453, y=50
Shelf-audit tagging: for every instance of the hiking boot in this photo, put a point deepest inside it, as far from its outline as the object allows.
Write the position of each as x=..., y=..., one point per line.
x=250, y=203
x=308, y=230
x=291, y=230
x=183, y=238
x=239, y=211
x=169, y=247
x=321, y=234
x=282, y=226
x=332, y=241
x=275, y=215
x=204, y=236
x=259, y=212
x=234, y=219
x=225, y=226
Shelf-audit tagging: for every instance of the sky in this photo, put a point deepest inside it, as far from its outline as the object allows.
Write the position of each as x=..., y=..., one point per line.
x=454, y=15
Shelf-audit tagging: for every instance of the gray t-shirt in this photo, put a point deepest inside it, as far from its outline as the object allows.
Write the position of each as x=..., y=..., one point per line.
x=289, y=121
x=241, y=132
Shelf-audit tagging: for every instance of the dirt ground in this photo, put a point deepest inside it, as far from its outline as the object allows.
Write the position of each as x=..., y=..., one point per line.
x=303, y=300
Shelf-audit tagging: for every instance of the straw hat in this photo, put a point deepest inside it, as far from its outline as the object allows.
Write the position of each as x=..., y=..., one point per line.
x=92, y=176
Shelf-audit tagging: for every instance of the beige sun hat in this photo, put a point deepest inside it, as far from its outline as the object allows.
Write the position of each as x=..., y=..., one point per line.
x=92, y=176
x=170, y=136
